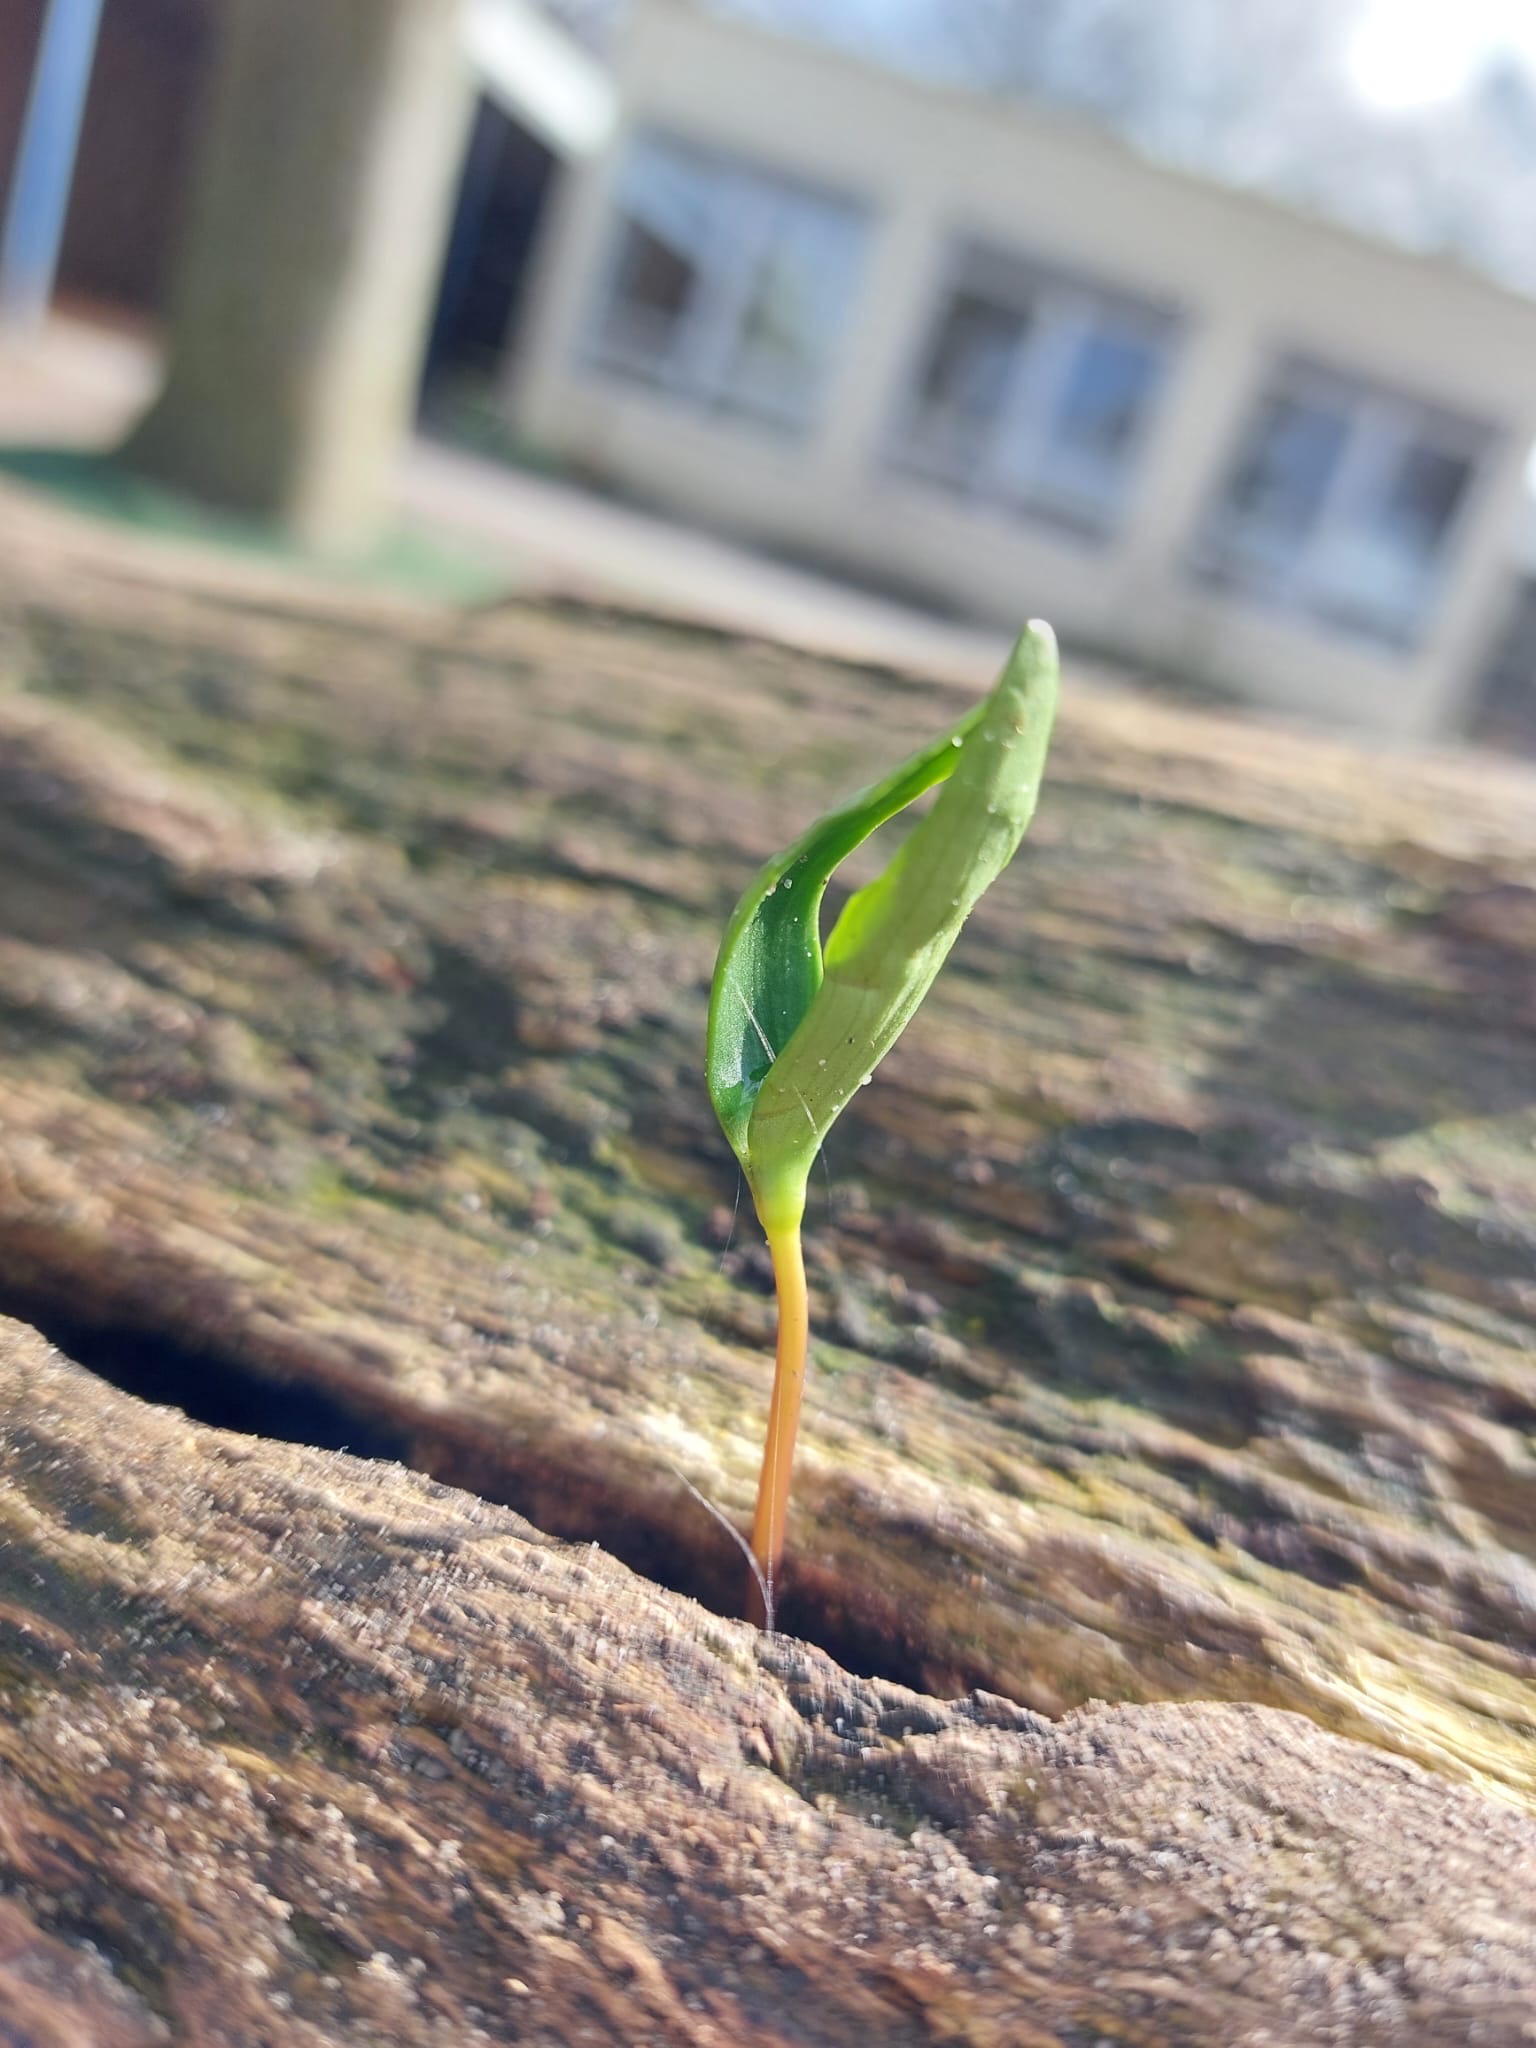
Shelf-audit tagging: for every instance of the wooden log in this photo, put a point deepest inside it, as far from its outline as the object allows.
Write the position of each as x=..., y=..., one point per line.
x=1175, y=1337
x=300, y=1749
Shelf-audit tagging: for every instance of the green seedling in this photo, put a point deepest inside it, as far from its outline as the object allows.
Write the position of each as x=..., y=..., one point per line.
x=795, y=1030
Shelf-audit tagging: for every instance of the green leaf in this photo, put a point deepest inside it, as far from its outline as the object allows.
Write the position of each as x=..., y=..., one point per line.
x=793, y=1033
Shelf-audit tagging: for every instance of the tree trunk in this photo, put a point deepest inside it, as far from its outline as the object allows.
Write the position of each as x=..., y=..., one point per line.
x=319, y=212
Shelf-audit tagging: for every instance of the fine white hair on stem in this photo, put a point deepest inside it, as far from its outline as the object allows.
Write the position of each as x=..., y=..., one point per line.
x=730, y=1236
x=764, y=1578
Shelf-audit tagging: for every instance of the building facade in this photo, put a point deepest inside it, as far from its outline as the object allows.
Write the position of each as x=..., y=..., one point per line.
x=995, y=358
x=542, y=98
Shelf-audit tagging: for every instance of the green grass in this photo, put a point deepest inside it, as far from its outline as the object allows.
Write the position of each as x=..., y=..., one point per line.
x=407, y=559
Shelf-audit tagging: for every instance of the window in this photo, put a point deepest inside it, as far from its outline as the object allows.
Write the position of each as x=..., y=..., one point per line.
x=1033, y=389
x=1342, y=502
x=726, y=285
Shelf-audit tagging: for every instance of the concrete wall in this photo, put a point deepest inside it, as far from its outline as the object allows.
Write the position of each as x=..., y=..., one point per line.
x=1250, y=280
x=330, y=147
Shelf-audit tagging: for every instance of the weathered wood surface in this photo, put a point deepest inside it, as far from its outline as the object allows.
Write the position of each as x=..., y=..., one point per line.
x=1173, y=1284
x=298, y=1751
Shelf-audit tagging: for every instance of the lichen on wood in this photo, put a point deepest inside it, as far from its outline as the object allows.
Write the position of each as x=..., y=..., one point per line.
x=354, y=978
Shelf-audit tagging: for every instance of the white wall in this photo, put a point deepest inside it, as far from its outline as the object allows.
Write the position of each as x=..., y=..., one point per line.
x=1252, y=281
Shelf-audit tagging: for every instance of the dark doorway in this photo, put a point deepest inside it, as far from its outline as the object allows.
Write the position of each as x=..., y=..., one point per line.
x=502, y=191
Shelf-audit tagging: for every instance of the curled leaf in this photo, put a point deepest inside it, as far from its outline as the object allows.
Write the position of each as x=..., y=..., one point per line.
x=794, y=1031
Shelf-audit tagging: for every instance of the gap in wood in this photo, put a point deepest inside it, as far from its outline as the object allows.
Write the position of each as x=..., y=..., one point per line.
x=859, y=1628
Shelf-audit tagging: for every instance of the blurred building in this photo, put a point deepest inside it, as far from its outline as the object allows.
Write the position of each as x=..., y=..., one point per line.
x=1003, y=357
x=135, y=142
x=989, y=354
x=543, y=98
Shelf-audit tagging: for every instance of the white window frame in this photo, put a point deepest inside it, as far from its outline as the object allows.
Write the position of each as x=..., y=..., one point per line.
x=1382, y=426
x=1017, y=470
x=751, y=205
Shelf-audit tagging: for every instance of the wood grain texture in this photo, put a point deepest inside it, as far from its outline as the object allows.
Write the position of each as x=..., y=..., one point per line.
x=1172, y=1288
x=298, y=1750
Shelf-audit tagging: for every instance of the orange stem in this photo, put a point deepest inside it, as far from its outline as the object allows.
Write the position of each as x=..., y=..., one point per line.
x=772, y=1515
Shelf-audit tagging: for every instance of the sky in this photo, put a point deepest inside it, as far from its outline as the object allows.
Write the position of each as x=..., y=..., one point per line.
x=1400, y=56
x=1413, y=121
x=1408, y=54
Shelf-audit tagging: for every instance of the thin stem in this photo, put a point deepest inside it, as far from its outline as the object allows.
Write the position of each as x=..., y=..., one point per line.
x=768, y=1524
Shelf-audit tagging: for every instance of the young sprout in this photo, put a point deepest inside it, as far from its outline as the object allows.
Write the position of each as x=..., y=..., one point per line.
x=794, y=1031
